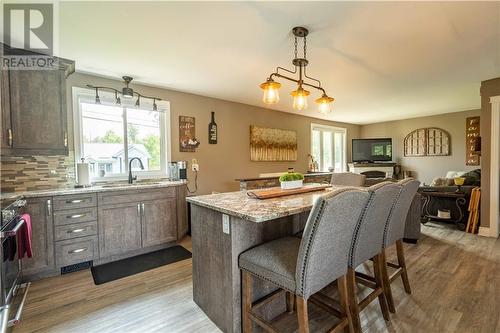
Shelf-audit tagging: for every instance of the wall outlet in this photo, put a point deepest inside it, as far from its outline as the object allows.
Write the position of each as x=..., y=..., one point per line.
x=194, y=165
x=225, y=224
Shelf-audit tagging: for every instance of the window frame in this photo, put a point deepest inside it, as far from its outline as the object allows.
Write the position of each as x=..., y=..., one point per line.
x=82, y=95
x=333, y=129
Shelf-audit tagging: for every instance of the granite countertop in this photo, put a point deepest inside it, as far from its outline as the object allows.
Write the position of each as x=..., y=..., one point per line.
x=308, y=174
x=93, y=189
x=239, y=204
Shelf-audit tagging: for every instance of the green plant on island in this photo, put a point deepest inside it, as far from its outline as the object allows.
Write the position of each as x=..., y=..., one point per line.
x=288, y=177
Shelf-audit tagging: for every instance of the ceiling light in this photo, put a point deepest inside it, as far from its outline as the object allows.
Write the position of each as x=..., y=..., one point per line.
x=300, y=98
x=325, y=104
x=270, y=87
x=271, y=92
x=126, y=91
x=97, y=99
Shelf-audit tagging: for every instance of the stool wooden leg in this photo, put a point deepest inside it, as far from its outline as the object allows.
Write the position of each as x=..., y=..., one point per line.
x=344, y=302
x=302, y=315
x=378, y=279
x=352, y=300
x=246, y=300
x=290, y=302
x=386, y=283
x=402, y=263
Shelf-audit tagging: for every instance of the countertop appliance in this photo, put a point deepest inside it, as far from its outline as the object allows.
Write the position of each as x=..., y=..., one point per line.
x=10, y=268
x=177, y=170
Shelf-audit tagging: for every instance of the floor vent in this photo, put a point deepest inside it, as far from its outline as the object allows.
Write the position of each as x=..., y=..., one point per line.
x=76, y=267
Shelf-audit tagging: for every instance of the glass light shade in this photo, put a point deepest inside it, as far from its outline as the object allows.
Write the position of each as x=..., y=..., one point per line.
x=325, y=104
x=300, y=98
x=271, y=91
x=459, y=181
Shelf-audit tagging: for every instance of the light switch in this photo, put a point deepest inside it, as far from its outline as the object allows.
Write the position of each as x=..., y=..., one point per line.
x=225, y=224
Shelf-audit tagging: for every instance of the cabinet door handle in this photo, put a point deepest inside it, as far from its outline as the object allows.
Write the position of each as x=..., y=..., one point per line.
x=65, y=139
x=74, y=201
x=10, y=136
x=74, y=231
x=78, y=250
x=139, y=209
x=142, y=208
x=75, y=216
x=49, y=207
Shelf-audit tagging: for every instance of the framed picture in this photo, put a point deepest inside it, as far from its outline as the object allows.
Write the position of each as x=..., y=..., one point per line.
x=187, y=137
x=272, y=144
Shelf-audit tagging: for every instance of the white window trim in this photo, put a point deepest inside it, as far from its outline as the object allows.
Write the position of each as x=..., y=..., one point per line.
x=82, y=94
x=344, y=143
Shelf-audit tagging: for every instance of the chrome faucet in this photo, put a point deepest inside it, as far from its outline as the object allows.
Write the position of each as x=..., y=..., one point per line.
x=130, y=178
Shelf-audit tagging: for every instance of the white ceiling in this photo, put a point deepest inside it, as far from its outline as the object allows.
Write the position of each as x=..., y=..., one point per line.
x=380, y=60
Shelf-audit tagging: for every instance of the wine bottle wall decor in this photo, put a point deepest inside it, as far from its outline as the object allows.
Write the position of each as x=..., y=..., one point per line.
x=212, y=131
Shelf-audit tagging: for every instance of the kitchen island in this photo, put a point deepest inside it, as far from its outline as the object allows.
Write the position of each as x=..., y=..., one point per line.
x=225, y=225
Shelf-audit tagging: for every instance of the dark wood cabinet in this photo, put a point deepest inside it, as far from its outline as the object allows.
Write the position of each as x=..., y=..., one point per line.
x=159, y=221
x=43, y=260
x=34, y=110
x=119, y=229
x=5, y=125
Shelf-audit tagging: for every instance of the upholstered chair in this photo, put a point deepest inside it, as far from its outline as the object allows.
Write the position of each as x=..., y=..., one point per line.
x=302, y=267
x=394, y=233
x=348, y=179
x=367, y=244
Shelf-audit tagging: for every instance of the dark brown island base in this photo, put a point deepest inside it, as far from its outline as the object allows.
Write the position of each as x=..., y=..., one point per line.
x=227, y=224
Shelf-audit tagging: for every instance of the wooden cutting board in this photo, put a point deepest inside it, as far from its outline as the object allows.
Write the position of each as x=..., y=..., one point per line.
x=276, y=192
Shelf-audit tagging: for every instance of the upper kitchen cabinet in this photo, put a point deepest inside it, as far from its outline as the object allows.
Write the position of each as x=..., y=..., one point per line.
x=34, y=112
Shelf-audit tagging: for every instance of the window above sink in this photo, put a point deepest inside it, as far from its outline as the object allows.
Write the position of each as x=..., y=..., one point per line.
x=108, y=135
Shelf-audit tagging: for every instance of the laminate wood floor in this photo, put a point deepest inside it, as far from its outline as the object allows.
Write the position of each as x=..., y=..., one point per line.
x=455, y=278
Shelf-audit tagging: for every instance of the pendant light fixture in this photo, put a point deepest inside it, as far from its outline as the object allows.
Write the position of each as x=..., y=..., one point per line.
x=126, y=92
x=271, y=87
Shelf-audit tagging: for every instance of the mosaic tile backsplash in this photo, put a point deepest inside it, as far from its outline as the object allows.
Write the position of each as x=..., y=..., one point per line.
x=29, y=173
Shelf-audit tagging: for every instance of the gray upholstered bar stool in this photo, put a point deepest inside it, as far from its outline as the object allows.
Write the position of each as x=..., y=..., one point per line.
x=348, y=179
x=302, y=267
x=394, y=233
x=367, y=244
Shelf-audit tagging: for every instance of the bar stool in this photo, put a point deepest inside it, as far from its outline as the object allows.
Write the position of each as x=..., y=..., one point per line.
x=302, y=267
x=367, y=244
x=394, y=233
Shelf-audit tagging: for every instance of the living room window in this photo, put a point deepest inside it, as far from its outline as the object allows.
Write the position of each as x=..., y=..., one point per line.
x=108, y=135
x=328, y=147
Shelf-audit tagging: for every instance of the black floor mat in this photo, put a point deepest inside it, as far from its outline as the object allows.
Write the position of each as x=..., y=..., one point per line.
x=130, y=266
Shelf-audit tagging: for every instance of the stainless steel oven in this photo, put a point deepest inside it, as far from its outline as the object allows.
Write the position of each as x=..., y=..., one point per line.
x=10, y=267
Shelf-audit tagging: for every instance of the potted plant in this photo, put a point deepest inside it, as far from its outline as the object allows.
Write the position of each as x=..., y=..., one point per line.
x=291, y=180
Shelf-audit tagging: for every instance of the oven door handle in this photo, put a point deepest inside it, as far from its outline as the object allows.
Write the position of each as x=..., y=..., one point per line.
x=13, y=231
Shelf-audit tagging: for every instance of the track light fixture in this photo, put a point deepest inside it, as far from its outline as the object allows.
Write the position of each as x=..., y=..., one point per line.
x=271, y=87
x=126, y=92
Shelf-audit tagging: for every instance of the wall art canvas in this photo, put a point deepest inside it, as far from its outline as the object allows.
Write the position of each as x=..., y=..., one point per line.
x=272, y=144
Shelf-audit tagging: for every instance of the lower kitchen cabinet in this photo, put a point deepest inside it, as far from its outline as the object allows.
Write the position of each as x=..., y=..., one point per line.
x=42, y=242
x=119, y=229
x=159, y=221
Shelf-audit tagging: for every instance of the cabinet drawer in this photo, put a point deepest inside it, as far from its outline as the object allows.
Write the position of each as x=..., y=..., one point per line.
x=75, y=215
x=75, y=201
x=117, y=197
x=77, y=250
x=71, y=231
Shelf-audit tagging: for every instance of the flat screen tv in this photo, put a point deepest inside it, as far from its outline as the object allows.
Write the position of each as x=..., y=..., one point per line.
x=372, y=150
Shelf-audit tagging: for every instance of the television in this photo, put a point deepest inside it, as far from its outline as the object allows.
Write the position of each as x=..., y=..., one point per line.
x=371, y=150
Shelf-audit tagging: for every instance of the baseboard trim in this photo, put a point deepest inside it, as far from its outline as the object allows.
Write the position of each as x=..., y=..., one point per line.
x=484, y=231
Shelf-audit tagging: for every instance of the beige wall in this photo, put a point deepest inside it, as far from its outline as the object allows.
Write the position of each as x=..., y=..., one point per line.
x=426, y=169
x=220, y=164
x=489, y=88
